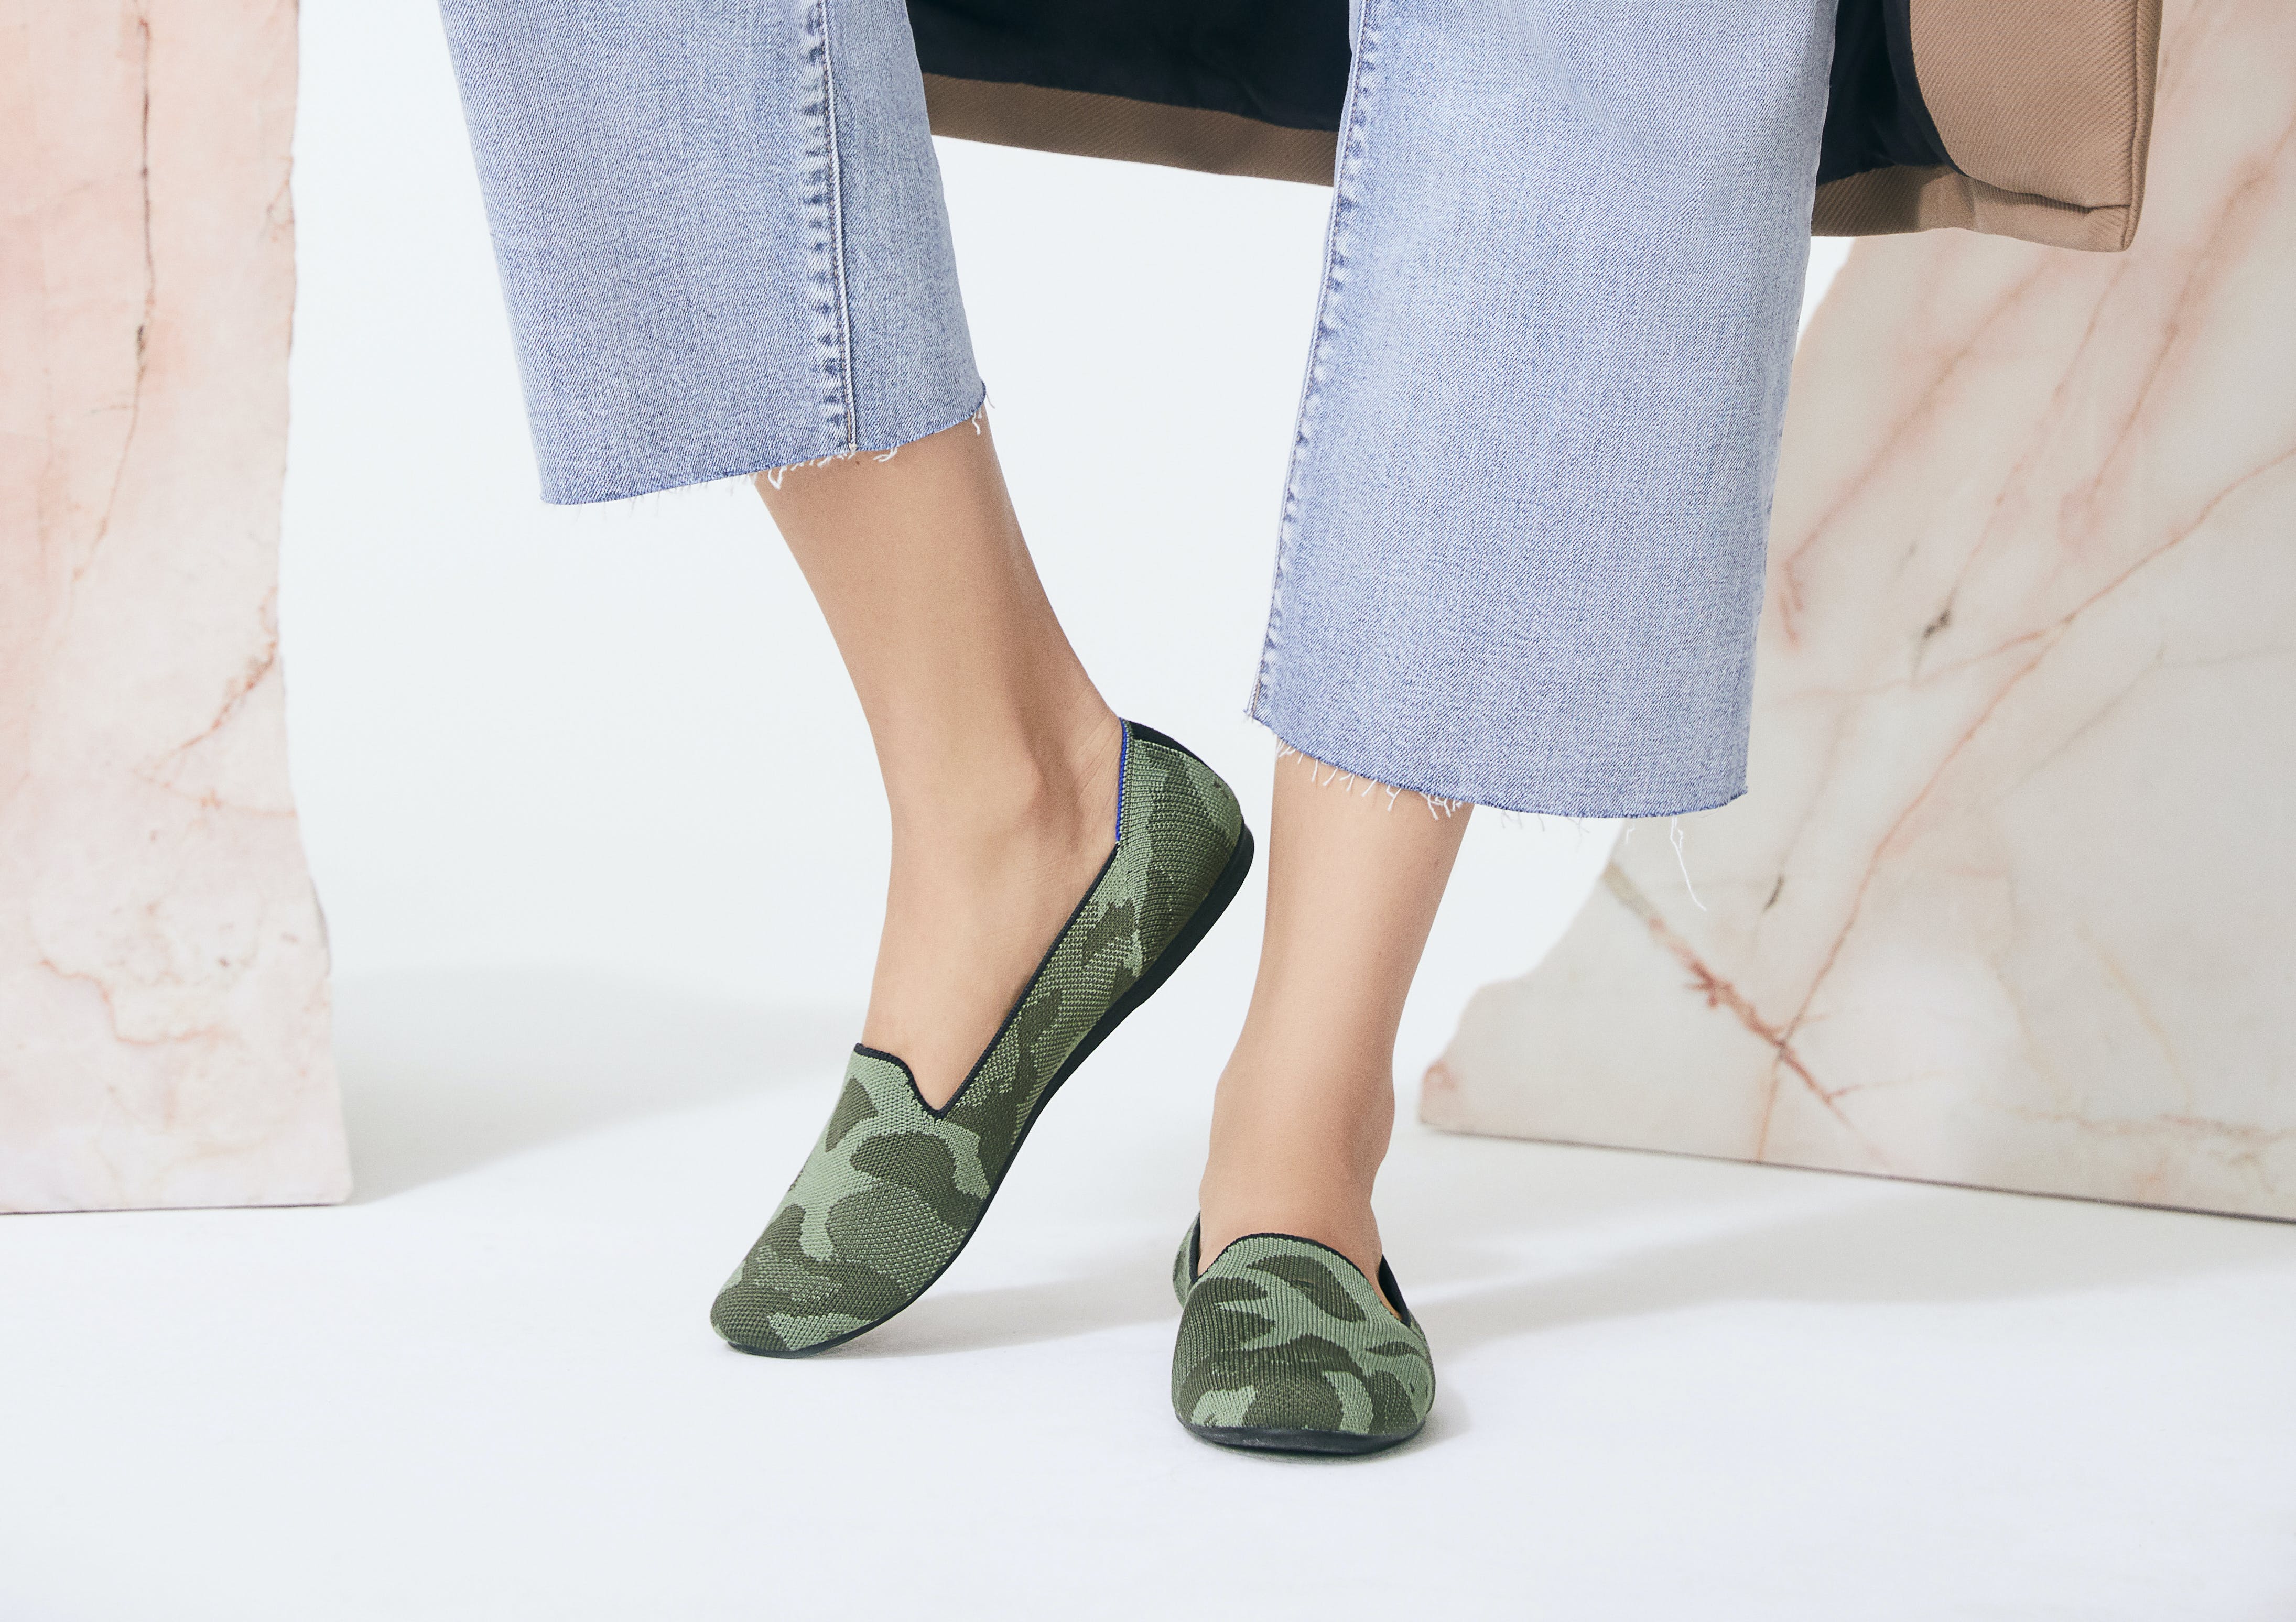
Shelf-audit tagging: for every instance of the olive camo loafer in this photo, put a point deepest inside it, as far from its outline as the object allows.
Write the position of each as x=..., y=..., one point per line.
x=894, y=1188
x=1285, y=1346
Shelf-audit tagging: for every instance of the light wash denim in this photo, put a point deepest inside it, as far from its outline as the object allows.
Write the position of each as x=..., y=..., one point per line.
x=1520, y=560
x=721, y=232
x=1520, y=555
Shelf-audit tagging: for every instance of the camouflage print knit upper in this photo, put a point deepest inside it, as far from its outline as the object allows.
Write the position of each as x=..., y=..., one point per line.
x=1284, y=1334
x=892, y=1189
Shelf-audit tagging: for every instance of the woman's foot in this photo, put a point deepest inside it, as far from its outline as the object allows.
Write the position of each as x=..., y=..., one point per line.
x=999, y=756
x=1051, y=867
x=1307, y=1104
x=1296, y=1147
x=895, y=1186
x=1285, y=1347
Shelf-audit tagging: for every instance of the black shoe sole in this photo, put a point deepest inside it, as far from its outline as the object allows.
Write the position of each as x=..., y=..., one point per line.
x=1151, y=980
x=1269, y=1438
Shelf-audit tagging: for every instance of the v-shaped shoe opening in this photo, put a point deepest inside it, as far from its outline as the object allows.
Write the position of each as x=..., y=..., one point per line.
x=1389, y=1293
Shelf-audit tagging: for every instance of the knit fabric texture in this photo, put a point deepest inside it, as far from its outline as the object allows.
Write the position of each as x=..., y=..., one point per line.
x=893, y=1189
x=1284, y=1335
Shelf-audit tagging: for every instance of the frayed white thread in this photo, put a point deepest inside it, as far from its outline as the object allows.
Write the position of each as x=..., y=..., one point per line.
x=1337, y=777
x=1674, y=838
x=1363, y=787
x=773, y=475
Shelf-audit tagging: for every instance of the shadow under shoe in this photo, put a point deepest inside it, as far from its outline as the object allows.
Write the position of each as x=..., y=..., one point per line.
x=1284, y=1347
x=893, y=1189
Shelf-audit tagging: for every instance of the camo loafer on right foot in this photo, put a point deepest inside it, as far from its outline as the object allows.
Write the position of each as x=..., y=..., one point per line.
x=1286, y=1347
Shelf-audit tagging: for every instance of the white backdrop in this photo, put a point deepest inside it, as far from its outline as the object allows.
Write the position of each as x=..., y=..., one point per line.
x=597, y=829
x=619, y=738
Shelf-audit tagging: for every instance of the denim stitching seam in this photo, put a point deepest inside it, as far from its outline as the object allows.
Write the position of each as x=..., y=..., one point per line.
x=1362, y=81
x=839, y=403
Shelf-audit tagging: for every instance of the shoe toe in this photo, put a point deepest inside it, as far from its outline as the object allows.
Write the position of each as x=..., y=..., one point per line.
x=781, y=1305
x=774, y=1324
x=1284, y=1346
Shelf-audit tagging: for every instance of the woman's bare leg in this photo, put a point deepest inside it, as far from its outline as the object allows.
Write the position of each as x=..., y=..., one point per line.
x=999, y=759
x=1307, y=1104
x=998, y=754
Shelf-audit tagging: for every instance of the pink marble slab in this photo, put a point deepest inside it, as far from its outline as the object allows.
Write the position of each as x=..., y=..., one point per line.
x=2013, y=901
x=163, y=967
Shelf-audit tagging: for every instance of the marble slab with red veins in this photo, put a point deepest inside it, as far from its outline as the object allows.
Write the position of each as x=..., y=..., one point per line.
x=2013, y=900
x=164, y=1013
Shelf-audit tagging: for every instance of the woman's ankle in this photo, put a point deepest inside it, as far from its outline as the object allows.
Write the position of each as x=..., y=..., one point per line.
x=985, y=869
x=985, y=788
x=1296, y=1147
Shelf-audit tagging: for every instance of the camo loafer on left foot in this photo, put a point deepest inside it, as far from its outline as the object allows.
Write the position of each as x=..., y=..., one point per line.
x=1285, y=1346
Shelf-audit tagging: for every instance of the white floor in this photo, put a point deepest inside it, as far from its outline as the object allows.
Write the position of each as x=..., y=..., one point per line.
x=1670, y=1389
x=593, y=820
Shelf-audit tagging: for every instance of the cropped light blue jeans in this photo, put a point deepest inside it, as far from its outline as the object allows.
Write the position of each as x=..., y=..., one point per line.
x=1520, y=560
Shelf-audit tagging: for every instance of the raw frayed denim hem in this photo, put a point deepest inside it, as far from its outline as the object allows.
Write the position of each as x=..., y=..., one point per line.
x=1520, y=551
x=1396, y=771
x=721, y=232
x=770, y=469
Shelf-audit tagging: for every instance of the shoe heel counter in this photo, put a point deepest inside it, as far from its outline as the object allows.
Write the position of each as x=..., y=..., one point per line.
x=1210, y=790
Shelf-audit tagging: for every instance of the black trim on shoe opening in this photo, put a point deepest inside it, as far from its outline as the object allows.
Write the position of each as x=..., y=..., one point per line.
x=1183, y=945
x=1130, y=729
x=1123, y=763
x=1393, y=1291
x=1386, y=1273
x=896, y=1060
x=1021, y=1002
